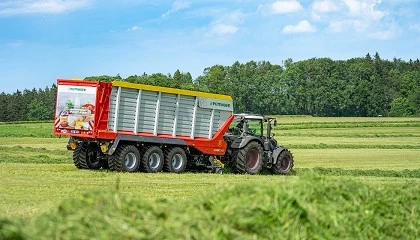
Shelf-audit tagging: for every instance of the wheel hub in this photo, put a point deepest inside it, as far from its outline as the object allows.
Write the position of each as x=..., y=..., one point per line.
x=177, y=161
x=154, y=160
x=130, y=160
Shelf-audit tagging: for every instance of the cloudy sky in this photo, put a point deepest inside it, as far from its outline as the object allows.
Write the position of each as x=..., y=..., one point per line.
x=42, y=40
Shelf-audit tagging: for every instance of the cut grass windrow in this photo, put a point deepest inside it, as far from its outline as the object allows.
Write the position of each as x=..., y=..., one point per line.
x=348, y=135
x=38, y=130
x=415, y=173
x=18, y=149
x=25, y=155
x=315, y=125
x=349, y=146
x=26, y=122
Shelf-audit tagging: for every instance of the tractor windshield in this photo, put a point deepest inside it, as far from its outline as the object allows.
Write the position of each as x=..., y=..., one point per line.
x=247, y=126
x=254, y=127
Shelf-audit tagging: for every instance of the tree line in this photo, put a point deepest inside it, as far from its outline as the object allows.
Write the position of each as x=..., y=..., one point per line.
x=359, y=87
x=28, y=105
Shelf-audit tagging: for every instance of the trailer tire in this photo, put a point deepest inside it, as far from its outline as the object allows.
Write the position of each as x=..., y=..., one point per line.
x=152, y=159
x=86, y=156
x=284, y=163
x=249, y=159
x=175, y=160
x=125, y=159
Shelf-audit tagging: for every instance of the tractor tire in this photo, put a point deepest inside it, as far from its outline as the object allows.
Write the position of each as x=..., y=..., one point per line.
x=175, y=160
x=86, y=156
x=284, y=163
x=152, y=159
x=125, y=159
x=249, y=159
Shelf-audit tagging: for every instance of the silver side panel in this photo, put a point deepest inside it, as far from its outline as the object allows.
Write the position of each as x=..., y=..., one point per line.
x=142, y=111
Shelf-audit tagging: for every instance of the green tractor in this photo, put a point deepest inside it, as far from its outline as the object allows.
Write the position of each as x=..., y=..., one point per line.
x=250, y=148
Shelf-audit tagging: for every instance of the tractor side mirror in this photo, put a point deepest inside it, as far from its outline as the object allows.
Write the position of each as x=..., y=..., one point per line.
x=275, y=122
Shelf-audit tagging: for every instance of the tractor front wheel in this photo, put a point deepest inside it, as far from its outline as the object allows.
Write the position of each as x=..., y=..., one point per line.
x=284, y=163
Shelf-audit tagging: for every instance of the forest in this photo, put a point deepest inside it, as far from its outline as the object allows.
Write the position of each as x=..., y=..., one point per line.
x=358, y=87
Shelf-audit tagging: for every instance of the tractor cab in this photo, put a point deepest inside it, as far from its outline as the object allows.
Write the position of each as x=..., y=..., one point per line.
x=246, y=126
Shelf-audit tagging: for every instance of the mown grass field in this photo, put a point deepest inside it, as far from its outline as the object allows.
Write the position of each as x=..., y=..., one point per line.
x=37, y=175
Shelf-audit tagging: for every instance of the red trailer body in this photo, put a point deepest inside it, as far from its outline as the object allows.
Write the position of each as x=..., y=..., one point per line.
x=86, y=110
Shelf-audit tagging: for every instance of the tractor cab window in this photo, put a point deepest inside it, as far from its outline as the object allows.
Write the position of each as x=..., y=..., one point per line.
x=247, y=126
x=253, y=127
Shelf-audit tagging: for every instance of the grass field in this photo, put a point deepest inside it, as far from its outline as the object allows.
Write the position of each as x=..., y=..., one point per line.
x=36, y=171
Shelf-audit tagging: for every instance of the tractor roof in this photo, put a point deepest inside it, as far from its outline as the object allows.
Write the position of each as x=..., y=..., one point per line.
x=249, y=116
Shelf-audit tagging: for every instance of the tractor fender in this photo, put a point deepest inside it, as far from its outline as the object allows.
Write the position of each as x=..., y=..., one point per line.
x=242, y=142
x=276, y=153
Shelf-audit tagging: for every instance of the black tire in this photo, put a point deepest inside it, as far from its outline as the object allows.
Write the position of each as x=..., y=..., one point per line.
x=284, y=163
x=175, y=160
x=152, y=159
x=125, y=159
x=86, y=156
x=249, y=159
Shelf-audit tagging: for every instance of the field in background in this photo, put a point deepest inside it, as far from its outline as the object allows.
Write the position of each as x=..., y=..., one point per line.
x=37, y=174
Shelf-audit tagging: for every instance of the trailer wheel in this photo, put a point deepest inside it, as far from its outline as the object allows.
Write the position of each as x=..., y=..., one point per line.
x=284, y=163
x=86, y=156
x=176, y=160
x=249, y=159
x=152, y=159
x=125, y=159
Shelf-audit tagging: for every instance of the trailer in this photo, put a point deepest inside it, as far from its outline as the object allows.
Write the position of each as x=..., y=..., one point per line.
x=130, y=127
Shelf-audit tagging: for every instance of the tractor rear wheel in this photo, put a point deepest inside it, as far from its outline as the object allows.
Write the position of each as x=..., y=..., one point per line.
x=284, y=163
x=175, y=160
x=125, y=159
x=86, y=156
x=249, y=159
x=152, y=159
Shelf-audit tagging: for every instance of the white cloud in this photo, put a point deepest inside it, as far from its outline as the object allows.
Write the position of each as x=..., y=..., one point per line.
x=235, y=17
x=364, y=9
x=134, y=28
x=301, y=27
x=390, y=33
x=325, y=6
x=361, y=16
x=315, y=16
x=176, y=7
x=228, y=23
x=223, y=29
x=19, y=7
x=341, y=25
x=280, y=7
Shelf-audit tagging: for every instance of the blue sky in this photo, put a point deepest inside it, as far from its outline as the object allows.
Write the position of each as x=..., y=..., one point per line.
x=42, y=40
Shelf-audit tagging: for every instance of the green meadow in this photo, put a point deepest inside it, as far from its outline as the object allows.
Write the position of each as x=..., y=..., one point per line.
x=353, y=178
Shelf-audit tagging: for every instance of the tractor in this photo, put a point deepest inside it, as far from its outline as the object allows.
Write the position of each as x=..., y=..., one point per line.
x=250, y=148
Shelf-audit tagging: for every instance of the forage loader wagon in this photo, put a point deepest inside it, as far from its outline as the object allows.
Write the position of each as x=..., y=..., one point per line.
x=130, y=127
